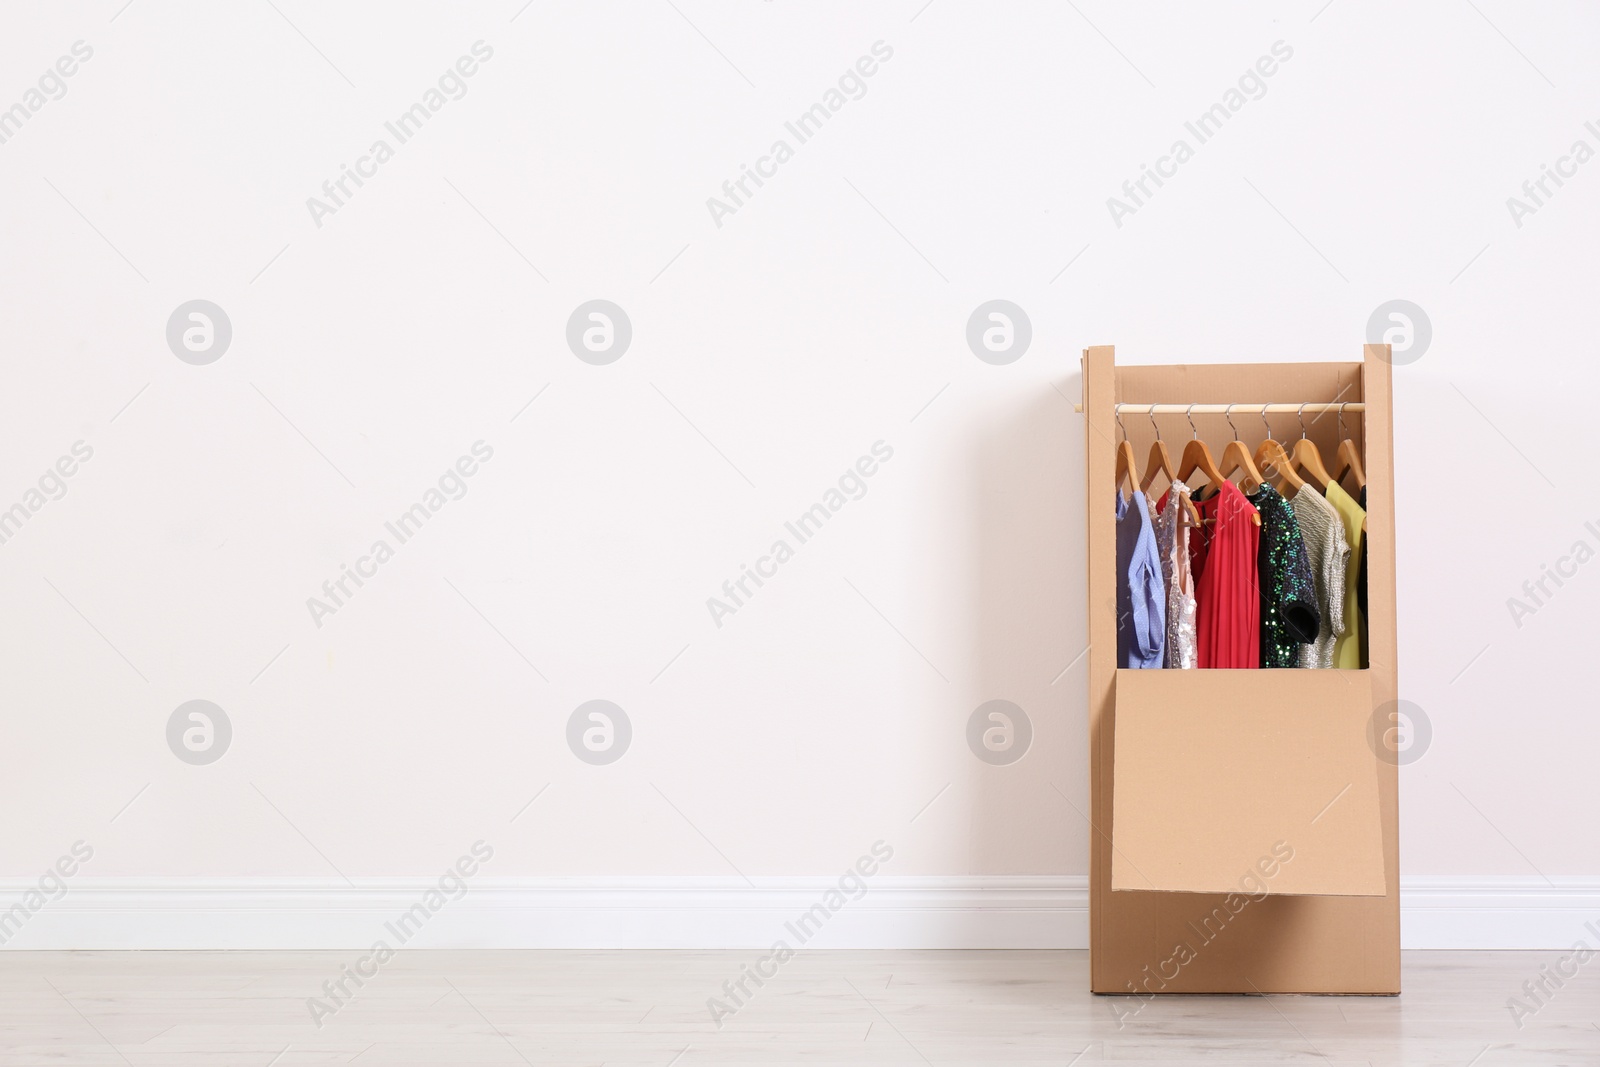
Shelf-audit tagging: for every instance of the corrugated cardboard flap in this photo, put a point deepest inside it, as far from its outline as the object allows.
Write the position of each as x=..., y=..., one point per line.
x=1246, y=781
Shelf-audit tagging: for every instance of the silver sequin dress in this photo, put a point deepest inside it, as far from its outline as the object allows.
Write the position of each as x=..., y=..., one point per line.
x=1172, y=544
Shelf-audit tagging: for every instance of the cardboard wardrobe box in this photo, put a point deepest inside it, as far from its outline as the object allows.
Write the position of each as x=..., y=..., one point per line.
x=1245, y=829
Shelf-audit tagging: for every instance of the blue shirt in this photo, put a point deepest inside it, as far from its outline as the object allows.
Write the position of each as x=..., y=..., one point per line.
x=1141, y=594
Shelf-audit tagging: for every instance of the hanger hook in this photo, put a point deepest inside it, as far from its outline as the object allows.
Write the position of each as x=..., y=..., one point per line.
x=1342, y=433
x=1301, y=415
x=1264, y=421
x=1153, y=423
x=1121, y=427
x=1228, y=414
x=1187, y=414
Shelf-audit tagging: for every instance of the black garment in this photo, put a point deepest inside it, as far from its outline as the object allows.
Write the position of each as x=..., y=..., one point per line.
x=1289, y=615
x=1361, y=577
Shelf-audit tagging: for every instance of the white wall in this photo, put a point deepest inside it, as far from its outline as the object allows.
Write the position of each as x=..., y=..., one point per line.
x=769, y=352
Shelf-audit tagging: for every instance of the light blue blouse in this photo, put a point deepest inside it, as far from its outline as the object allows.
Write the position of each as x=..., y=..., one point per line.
x=1141, y=594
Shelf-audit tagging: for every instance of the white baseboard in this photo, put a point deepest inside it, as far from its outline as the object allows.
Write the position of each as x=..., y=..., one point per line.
x=1035, y=912
x=1497, y=912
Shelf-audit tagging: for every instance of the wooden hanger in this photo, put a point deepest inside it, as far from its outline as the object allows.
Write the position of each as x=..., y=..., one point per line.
x=1348, y=460
x=1272, y=458
x=1237, y=458
x=1196, y=456
x=1160, y=462
x=1127, y=463
x=1308, y=458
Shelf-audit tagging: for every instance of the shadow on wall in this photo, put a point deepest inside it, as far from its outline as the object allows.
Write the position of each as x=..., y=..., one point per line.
x=1029, y=761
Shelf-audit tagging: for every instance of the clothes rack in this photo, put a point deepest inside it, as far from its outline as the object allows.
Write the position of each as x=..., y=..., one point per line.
x=1244, y=823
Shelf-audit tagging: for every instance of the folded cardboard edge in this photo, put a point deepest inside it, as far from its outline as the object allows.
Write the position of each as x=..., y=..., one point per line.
x=1246, y=695
x=1296, y=991
x=1224, y=890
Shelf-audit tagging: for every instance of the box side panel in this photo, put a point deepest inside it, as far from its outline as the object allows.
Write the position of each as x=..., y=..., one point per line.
x=1098, y=393
x=1383, y=653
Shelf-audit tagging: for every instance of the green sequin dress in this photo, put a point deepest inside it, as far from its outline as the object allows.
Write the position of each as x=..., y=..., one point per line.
x=1289, y=615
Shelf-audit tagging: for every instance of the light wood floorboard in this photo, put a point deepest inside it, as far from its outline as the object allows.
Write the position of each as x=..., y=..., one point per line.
x=187, y=1009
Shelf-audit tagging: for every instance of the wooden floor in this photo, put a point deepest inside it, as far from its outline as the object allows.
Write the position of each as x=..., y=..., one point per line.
x=943, y=1008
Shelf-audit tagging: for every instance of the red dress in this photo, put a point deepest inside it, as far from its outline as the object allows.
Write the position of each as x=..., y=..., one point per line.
x=1228, y=615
